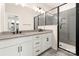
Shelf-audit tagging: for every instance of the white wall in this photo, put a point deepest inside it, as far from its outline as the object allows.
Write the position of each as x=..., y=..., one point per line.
x=2, y=16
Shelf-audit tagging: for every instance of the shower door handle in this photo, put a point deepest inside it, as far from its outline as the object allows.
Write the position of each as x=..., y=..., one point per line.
x=61, y=26
x=62, y=22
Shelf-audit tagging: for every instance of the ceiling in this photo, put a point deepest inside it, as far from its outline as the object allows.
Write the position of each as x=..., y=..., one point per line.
x=44, y=6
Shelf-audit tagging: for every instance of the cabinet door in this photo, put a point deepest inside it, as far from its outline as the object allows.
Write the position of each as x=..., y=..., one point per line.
x=9, y=51
x=27, y=48
x=47, y=41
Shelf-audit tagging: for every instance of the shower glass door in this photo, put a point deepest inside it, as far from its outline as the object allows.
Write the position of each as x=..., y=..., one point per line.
x=67, y=27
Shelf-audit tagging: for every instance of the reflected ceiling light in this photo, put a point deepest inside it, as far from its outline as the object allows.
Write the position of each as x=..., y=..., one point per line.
x=22, y=4
x=42, y=11
x=38, y=9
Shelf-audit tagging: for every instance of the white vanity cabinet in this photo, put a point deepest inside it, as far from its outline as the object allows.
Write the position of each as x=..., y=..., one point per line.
x=26, y=46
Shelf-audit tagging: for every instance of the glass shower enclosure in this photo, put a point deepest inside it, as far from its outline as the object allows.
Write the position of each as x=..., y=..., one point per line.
x=67, y=27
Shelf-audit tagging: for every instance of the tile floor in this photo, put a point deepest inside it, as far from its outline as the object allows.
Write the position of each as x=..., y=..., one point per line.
x=60, y=52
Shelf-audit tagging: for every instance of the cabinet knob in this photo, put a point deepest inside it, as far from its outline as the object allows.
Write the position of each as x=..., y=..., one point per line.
x=18, y=49
x=47, y=39
x=37, y=42
x=21, y=48
x=37, y=50
x=37, y=37
x=60, y=45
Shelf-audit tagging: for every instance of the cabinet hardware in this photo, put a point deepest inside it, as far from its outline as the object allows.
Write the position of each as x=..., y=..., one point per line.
x=18, y=49
x=37, y=42
x=61, y=26
x=60, y=45
x=21, y=48
x=37, y=50
x=37, y=37
x=47, y=39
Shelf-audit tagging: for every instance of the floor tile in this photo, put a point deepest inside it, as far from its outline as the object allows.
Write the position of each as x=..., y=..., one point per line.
x=60, y=52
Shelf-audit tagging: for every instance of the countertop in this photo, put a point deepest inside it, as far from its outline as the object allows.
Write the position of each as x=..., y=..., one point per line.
x=23, y=34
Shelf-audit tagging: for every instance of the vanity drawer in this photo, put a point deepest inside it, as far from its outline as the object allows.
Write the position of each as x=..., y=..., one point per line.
x=37, y=37
x=37, y=43
x=37, y=51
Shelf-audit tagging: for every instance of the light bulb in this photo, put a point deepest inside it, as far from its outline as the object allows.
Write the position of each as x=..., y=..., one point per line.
x=22, y=4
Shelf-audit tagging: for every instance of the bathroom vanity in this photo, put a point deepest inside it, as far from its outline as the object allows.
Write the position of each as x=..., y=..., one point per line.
x=25, y=44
